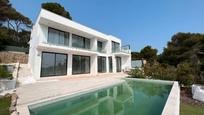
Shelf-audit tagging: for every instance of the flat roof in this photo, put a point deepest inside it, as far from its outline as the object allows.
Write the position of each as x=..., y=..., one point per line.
x=54, y=20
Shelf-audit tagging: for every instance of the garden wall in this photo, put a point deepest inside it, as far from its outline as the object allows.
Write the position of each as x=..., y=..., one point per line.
x=13, y=57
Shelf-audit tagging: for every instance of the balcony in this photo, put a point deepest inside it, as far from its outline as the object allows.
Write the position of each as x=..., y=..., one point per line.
x=125, y=49
x=64, y=48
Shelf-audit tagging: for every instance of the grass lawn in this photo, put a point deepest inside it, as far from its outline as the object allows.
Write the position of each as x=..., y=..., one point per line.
x=4, y=105
x=188, y=109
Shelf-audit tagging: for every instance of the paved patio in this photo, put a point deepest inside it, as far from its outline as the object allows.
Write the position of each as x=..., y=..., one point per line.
x=48, y=88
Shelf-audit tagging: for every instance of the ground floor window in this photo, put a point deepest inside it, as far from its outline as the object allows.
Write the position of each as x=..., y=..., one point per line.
x=110, y=64
x=101, y=64
x=80, y=64
x=118, y=64
x=53, y=64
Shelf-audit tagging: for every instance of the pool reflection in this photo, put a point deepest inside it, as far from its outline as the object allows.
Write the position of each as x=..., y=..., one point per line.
x=131, y=97
x=110, y=101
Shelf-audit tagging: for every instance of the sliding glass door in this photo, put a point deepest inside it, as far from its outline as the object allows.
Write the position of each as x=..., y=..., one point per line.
x=99, y=46
x=118, y=64
x=53, y=64
x=80, y=42
x=60, y=64
x=80, y=64
x=115, y=47
x=110, y=64
x=101, y=64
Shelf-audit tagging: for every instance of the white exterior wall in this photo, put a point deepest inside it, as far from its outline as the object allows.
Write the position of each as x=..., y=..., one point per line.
x=39, y=36
x=126, y=61
x=43, y=32
x=114, y=64
x=69, y=64
x=94, y=65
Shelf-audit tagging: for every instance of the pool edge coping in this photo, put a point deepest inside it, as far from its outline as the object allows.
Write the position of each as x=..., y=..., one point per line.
x=172, y=105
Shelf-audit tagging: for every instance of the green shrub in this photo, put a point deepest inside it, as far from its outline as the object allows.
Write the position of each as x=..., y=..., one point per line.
x=137, y=73
x=185, y=74
x=4, y=73
x=160, y=71
x=5, y=103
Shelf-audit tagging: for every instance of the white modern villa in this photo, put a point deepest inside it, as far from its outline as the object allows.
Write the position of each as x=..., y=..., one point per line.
x=62, y=47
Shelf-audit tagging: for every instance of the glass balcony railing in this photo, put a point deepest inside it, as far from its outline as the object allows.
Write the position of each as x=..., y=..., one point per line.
x=73, y=47
x=125, y=49
x=101, y=50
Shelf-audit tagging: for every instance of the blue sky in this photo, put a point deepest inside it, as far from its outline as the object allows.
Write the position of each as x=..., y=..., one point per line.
x=136, y=22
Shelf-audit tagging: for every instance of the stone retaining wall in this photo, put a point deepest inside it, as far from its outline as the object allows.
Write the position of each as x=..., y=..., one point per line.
x=13, y=57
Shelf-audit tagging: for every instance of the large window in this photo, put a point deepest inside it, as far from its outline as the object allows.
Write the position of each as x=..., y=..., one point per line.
x=80, y=42
x=101, y=64
x=53, y=64
x=110, y=64
x=80, y=64
x=118, y=64
x=115, y=47
x=58, y=37
x=99, y=46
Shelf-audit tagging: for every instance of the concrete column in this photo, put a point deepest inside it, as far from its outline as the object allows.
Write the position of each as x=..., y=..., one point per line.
x=94, y=65
x=108, y=47
x=69, y=64
x=105, y=46
x=93, y=45
x=37, y=64
x=107, y=65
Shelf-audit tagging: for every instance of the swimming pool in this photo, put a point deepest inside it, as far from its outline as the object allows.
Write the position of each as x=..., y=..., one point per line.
x=131, y=97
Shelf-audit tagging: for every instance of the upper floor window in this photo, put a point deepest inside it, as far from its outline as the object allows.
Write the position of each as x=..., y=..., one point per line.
x=80, y=42
x=58, y=37
x=99, y=46
x=115, y=47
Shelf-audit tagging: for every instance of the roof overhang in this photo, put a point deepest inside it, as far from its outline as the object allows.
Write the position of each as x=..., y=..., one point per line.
x=56, y=21
x=122, y=54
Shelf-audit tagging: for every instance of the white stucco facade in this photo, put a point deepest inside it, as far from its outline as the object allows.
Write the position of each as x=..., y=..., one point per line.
x=39, y=44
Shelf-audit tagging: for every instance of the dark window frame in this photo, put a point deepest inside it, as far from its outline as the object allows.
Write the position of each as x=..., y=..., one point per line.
x=120, y=59
x=59, y=35
x=110, y=64
x=54, y=64
x=113, y=46
x=99, y=46
x=83, y=40
x=89, y=64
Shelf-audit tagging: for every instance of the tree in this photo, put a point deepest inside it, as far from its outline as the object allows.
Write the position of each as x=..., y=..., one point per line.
x=12, y=23
x=56, y=8
x=183, y=47
x=18, y=22
x=185, y=74
x=5, y=6
x=149, y=53
x=186, y=48
x=136, y=55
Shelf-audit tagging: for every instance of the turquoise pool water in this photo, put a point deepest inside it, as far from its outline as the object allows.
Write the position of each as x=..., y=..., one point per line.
x=132, y=97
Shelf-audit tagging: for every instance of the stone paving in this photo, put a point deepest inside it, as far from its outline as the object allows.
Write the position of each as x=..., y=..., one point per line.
x=54, y=87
